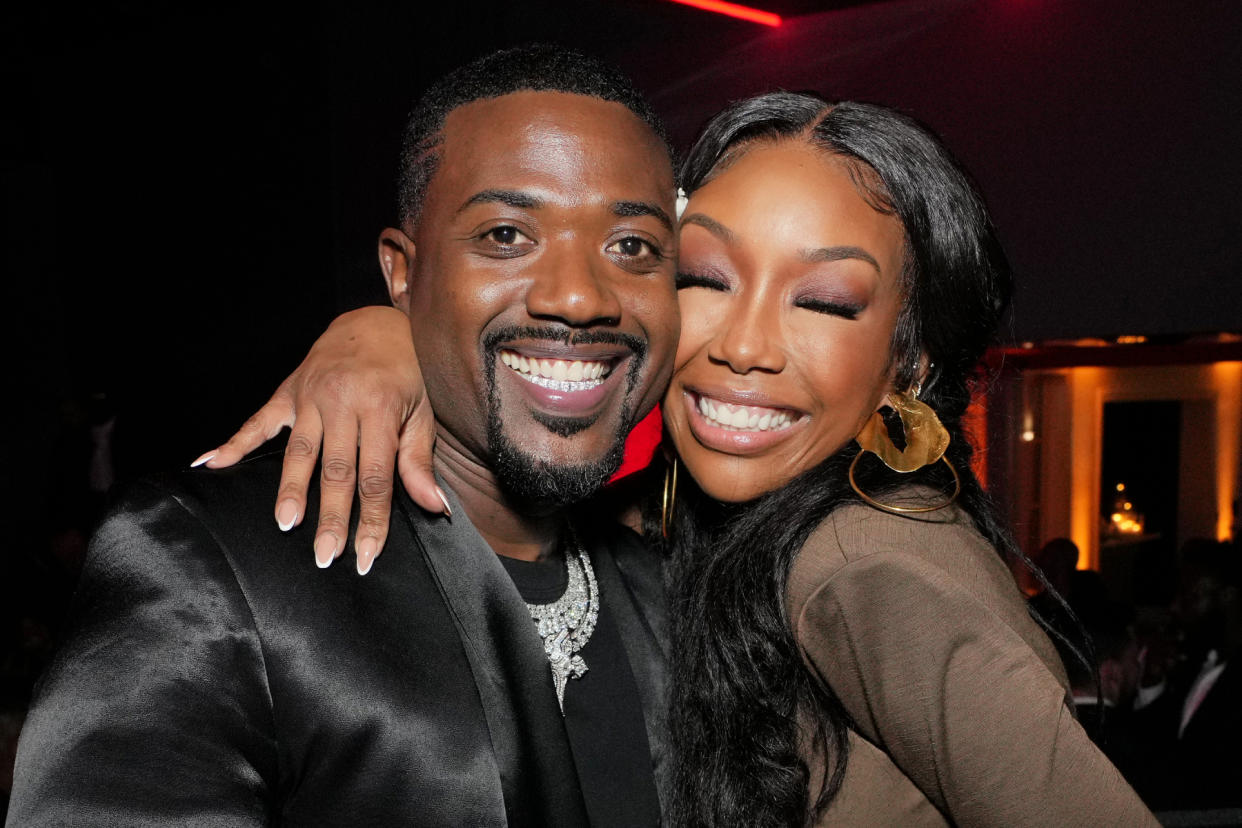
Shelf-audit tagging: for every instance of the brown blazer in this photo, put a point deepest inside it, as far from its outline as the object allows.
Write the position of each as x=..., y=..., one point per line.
x=959, y=700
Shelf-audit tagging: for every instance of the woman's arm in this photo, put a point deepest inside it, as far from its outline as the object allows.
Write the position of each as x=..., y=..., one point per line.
x=360, y=393
x=957, y=698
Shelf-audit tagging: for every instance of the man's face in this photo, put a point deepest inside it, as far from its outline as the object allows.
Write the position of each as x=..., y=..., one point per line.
x=539, y=285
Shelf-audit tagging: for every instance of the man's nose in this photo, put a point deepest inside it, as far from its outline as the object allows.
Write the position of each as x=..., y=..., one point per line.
x=574, y=286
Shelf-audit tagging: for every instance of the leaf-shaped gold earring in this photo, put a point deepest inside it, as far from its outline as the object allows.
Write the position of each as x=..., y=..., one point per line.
x=926, y=442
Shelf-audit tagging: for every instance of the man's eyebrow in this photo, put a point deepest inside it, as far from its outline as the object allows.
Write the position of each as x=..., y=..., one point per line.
x=512, y=198
x=712, y=226
x=836, y=254
x=627, y=209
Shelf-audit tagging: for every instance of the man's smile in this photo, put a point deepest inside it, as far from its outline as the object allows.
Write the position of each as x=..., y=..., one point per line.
x=567, y=379
x=569, y=376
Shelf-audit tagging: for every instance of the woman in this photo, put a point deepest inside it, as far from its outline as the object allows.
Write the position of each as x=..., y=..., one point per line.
x=851, y=646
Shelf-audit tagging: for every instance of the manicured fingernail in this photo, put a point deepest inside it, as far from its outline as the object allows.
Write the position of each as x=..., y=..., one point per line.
x=286, y=514
x=200, y=461
x=366, y=550
x=448, y=510
x=326, y=546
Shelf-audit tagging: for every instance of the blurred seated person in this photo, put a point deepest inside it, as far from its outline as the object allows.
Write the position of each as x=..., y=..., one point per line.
x=1189, y=723
x=1104, y=694
x=1057, y=560
x=1208, y=610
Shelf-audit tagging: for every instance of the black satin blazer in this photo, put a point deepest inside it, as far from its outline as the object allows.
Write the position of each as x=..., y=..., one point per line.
x=215, y=676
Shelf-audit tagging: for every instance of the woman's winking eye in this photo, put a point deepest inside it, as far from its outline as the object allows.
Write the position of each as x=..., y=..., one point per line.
x=692, y=280
x=831, y=307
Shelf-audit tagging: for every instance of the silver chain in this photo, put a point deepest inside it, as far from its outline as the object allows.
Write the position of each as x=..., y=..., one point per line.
x=566, y=624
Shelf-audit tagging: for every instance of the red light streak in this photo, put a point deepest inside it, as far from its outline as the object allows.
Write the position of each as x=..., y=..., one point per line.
x=734, y=10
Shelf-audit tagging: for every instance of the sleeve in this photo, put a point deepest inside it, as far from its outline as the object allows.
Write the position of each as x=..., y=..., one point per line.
x=963, y=705
x=155, y=711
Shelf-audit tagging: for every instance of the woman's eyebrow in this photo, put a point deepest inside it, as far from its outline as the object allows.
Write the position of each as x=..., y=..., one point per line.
x=712, y=226
x=836, y=254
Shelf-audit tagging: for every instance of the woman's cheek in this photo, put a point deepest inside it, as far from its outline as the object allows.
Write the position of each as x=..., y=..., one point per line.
x=702, y=313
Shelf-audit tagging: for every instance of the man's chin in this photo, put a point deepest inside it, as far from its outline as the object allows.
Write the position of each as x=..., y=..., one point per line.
x=564, y=426
x=556, y=463
x=536, y=481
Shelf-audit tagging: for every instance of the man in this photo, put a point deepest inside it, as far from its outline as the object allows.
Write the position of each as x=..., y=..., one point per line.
x=215, y=677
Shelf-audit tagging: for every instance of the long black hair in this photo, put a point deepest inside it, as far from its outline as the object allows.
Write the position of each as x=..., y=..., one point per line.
x=744, y=708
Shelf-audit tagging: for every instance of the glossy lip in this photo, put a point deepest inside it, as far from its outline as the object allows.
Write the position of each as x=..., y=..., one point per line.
x=555, y=402
x=728, y=441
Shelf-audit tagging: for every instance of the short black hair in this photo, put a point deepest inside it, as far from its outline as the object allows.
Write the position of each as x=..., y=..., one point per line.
x=536, y=67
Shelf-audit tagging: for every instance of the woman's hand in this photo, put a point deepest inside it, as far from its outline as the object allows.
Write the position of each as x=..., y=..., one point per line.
x=359, y=392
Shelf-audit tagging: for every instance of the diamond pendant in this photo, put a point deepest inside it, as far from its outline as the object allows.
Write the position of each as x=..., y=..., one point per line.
x=566, y=624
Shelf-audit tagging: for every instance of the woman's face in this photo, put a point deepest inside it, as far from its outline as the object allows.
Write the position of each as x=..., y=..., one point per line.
x=789, y=284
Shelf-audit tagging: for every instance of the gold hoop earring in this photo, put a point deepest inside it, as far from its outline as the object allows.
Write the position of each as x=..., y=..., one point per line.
x=926, y=442
x=670, y=497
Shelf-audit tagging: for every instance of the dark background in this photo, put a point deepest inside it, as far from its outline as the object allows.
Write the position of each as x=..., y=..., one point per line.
x=192, y=191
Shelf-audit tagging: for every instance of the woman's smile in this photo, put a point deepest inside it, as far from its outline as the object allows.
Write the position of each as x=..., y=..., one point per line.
x=733, y=423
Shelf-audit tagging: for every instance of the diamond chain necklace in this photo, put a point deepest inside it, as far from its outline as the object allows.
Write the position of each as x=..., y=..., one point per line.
x=566, y=624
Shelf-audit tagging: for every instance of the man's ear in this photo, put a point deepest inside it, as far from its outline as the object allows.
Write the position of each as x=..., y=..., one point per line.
x=396, y=259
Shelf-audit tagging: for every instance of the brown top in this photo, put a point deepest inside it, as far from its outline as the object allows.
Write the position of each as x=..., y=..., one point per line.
x=959, y=700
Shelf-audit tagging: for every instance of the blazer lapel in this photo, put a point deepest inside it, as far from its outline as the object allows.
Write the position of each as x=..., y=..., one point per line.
x=538, y=777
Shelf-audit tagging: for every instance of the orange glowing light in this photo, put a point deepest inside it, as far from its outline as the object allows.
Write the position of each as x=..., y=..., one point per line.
x=734, y=10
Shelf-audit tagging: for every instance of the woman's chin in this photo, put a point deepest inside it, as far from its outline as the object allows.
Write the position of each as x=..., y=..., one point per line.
x=730, y=480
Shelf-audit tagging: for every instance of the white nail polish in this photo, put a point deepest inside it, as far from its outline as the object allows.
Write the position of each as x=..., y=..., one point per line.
x=200, y=461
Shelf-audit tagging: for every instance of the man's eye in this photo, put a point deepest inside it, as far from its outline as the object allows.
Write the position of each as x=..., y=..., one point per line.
x=633, y=246
x=506, y=235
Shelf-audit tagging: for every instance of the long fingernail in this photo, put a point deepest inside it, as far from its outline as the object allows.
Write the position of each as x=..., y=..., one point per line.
x=448, y=510
x=200, y=461
x=366, y=550
x=326, y=546
x=286, y=514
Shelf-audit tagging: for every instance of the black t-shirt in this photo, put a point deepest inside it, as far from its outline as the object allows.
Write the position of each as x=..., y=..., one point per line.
x=603, y=713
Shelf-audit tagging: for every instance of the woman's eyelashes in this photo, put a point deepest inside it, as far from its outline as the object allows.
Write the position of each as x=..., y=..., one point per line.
x=831, y=307
x=686, y=279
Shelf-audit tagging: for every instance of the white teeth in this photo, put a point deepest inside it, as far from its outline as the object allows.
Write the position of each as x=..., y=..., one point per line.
x=743, y=417
x=558, y=374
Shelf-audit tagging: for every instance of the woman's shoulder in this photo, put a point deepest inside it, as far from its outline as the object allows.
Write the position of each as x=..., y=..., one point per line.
x=942, y=546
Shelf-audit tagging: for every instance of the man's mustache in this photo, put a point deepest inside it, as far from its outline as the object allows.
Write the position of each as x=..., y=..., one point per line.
x=566, y=335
